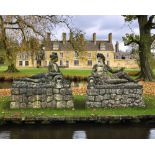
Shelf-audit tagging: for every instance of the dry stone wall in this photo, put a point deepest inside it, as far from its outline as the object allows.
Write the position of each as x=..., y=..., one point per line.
x=51, y=91
x=115, y=95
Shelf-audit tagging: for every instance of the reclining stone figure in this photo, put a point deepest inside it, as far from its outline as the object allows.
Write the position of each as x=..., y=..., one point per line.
x=53, y=70
x=102, y=72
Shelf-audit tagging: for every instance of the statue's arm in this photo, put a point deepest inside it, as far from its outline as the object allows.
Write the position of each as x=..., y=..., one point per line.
x=110, y=69
x=113, y=71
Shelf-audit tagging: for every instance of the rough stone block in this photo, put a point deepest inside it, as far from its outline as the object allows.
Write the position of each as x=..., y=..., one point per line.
x=14, y=105
x=36, y=104
x=61, y=104
x=98, y=98
x=15, y=91
x=56, y=91
x=30, y=105
x=63, y=91
x=43, y=105
x=49, y=91
x=58, y=97
x=91, y=98
x=29, y=92
x=22, y=105
x=93, y=91
x=49, y=98
x=70, y=104
x=67, y=97
x=102, y=91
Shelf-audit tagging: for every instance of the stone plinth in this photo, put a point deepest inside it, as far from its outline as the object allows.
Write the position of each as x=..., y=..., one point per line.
x=49, y=91
x=115, y=95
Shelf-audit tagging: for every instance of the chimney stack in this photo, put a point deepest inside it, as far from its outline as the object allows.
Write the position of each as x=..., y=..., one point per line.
x=71, y=36
x=117, y=47
x=64, y=38
x=94, y=38
x=49, y=36
x=82, y=38
x=110, y=37
x=48, y=40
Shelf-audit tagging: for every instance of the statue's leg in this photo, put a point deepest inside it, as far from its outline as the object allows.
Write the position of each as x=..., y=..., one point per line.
x=123, y=75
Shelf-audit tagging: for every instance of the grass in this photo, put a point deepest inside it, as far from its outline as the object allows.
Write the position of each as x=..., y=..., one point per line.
x=32, y=71
x=78, y=111
x=24, y=72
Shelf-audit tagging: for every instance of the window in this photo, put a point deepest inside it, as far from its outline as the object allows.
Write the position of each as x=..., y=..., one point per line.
x=26, y=63
x=76, y=62
x=123, y=57
x=67, y=63
x=61, y=55
x=26, y=56
x=102, y=46
x=61, y=63
x=89, y=62
x=55, y=46
x=89, y=55
x=20, y=63
x=76, y=54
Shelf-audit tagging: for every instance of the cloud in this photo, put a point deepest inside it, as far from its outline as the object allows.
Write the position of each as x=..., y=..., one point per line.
x=102, y=25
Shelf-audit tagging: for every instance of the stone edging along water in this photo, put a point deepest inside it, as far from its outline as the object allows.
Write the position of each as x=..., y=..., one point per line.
x=86, y=119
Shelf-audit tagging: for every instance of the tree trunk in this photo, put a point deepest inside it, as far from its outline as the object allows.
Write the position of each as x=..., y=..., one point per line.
x=145, y=49
x=12, y=69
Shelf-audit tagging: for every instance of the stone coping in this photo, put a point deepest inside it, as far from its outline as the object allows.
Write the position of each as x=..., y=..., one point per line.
x=74, y=119
x=112, y=86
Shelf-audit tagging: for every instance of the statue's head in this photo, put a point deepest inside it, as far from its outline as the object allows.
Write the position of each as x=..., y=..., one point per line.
x=54, y=57
x=100, y=58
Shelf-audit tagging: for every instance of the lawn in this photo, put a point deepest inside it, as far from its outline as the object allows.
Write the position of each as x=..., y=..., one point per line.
x=32, y=71
x=66, y=72
x=79, y=109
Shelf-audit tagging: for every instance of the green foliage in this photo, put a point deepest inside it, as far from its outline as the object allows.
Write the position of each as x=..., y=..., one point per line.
x=130, y=18
x=131, y=39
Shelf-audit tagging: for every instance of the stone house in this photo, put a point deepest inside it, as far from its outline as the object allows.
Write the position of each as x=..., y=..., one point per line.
x=70, y=58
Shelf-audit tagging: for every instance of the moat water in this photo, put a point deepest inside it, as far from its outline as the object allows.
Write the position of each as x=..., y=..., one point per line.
x=78, y=131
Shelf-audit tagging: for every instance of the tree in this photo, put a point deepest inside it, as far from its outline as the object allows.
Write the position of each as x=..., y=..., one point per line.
x=78, y=42
x=22, y=28
x=144, y=40
x=35, y=47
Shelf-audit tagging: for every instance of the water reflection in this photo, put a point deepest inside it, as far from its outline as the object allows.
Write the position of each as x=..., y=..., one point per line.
x=5, y=135
x=79, y=135
x=152, y=134
x=78, y=131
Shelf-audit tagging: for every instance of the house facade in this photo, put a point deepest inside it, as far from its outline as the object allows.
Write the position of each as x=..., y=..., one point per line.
x=69, y=58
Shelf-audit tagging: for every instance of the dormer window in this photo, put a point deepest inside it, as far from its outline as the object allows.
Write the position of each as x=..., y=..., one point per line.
x=61, y=55
x=55, y=46
x=76, y=54
x=89, y=55
x=102, y=46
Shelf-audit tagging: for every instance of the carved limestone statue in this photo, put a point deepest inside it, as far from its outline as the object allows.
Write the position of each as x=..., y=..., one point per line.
x=103, y=73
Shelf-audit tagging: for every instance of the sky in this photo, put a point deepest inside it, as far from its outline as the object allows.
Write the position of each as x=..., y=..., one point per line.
x=102, y=25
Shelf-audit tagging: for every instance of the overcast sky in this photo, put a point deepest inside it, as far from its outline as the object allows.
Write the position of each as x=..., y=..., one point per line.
x=102, y=25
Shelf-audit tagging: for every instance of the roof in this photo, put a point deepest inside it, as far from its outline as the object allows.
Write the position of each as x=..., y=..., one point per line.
x=90, y=46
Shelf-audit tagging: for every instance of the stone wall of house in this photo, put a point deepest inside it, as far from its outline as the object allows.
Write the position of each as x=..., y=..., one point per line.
x=52, y=91
x=115, y=95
